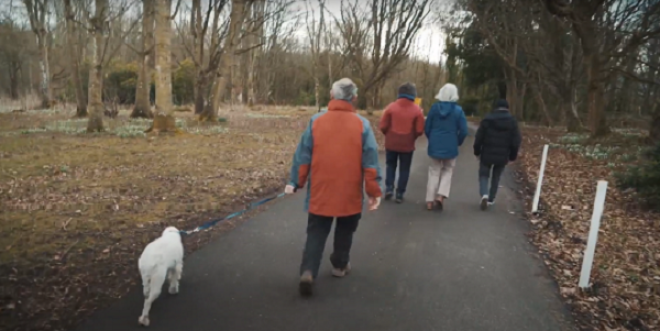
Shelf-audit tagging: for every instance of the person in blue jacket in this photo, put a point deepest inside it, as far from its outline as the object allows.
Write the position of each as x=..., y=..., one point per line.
x=446, y=129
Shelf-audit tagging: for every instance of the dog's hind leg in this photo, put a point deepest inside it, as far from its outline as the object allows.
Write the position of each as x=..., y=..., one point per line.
x=174, y=275
x=179, y=270
x=155, y=285
x=145, y=284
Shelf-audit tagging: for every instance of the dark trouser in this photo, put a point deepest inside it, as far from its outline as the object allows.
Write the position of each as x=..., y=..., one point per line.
x=318, y=228
x=392, y=158
x=485, y=176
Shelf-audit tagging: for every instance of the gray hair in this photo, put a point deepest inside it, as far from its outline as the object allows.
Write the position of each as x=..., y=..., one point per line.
x=344, y=89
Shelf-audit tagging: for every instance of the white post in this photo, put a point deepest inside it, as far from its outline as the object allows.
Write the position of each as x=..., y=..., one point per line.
x=537, y=194
x=588, y=261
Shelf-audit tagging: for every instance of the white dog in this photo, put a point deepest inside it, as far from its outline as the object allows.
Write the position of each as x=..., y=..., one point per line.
x=162, y=258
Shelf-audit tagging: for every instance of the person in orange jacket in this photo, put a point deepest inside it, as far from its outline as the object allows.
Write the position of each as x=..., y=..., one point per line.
x=338, y=158
x=402, y=123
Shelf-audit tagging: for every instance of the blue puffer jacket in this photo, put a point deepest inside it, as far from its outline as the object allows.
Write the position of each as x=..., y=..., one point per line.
x=446, y=129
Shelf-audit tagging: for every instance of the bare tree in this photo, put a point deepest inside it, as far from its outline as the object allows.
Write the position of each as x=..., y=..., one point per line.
x=377, y=38
x=164, y=116
x=95, y=89
x=239, y=74
x=498, y=23
x=205, y=46
x=315, y=30
x=651, y=95
x=38, y=13
x=74, y=59
x=256, y=46
x=608, y=31
x=99, y=27
x=228, y=60
x=15, y=41
x=275, y=37
x=142, y=100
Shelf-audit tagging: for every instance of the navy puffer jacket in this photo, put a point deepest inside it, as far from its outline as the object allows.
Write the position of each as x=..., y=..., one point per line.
x=498, y=138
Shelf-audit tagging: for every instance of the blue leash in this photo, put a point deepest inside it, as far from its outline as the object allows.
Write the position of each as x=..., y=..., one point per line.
x=230, y=216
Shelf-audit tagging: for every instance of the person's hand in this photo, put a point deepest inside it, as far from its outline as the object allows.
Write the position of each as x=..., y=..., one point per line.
x=289, y=189
x=374, y=203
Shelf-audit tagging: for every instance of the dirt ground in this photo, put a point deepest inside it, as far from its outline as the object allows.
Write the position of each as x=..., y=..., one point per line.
x=625, y=290
x=76, y=209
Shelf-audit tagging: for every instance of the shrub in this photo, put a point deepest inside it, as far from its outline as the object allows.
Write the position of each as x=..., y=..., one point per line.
x=644, y=178
x=183, y=83
x=470, y=106
x=120, y=82
x=304, y=99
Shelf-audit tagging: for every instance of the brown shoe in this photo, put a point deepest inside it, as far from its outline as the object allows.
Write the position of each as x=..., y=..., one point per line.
x=429, y=206
x=306, y=282
x=439, y=204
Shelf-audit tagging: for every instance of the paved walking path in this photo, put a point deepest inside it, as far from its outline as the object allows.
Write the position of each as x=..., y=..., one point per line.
x=413, y=270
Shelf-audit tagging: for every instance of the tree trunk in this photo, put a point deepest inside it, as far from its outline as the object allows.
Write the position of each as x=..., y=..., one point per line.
x=220, y=85
x=317, y=92
x=74, y=60
x=330, y=81
x=654, y=132
x=201, y=87
x=625, y=99
x=246, y=42
x=31, y=78
x=13, y=80
x=95, y=90
x=251, y=93
x=142, y=107
x=200, y=90
x=571, y=116
x=595, y=98
x=592, y=60
x=164, y=117
x=377, y=95
x=511, y=90
x=257, y=38
x=541, y=103
x=46, y=89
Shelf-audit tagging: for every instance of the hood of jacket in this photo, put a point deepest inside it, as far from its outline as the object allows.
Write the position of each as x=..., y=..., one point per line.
x=501, y=119
x=446, y=108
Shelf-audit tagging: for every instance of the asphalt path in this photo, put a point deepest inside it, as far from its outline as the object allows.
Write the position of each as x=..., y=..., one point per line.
x=461, y=269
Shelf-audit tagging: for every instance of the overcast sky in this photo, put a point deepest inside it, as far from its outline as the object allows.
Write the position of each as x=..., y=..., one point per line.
x=429, y=43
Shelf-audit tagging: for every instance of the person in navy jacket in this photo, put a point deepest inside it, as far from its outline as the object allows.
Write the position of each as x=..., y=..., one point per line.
x=496, y=144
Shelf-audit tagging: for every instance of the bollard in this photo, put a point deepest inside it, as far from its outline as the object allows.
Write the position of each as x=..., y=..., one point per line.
x=588, y=260
x=537, y=194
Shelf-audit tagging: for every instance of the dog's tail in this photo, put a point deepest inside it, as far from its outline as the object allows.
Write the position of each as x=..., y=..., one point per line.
x=157, y=276
x=147, y=272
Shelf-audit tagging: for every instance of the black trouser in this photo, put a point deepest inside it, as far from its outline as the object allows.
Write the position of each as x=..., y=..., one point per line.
x=404, y=160
x=318, y=228
x=485, y=177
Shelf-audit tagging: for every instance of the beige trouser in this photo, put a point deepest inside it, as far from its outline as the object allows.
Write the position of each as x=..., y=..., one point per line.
x=439, y=182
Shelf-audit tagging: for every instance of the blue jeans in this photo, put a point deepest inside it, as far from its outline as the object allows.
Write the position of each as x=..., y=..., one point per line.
x=404, y=160
x=485, y=177
x=318, y=228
